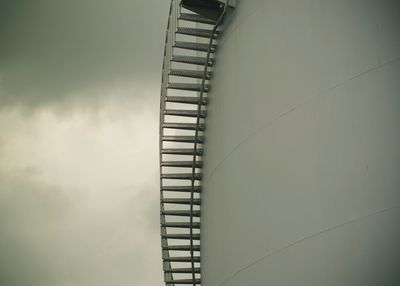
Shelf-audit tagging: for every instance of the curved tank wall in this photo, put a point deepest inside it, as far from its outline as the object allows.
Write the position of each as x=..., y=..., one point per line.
x=302, y=163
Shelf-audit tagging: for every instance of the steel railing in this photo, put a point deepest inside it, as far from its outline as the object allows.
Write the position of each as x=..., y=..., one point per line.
x=199, y=106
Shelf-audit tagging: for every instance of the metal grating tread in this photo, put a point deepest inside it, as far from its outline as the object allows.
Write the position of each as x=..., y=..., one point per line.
x=186, y=99
x=181, y=189
x=189, y=73
x=184, y=113
x=182, y=151
x=201, y=47
x=203, y=33
x=184, y=139
x=192, y=60
x=188, y=86
x=183, y=126
x=182, y=164
x=196, y=18
x=183, y=270
x=180, y=236
x=182, y=259
x=195, y=225
x=180, y=201
x=180, y=176
x=180, y=213
x=183, y=281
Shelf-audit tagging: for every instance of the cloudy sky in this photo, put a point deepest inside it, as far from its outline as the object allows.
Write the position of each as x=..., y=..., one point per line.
x=79, y=92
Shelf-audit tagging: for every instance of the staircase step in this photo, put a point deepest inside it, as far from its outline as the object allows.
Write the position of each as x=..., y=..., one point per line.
x=181, y=213
x=183, y=270
x=182, y=164
x=195, y=225
x=183, y=139
x=186, y=99
x=182, y=151
x=203, y=33
x=196, y=18
x=200, y=47
x=189, y=73
x=180, y=176
x=185, y=113
x=192, y=60
x=195, y=236
x=183, y=281
x=182, y=189
x=183, y=126
x=182, y=201
x=182, y=248
x=182, y=259
x=188, y=86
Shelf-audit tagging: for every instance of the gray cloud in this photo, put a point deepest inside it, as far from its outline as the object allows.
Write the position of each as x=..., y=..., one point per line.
x=50, y=50
x=48, y=238
x=79, y=197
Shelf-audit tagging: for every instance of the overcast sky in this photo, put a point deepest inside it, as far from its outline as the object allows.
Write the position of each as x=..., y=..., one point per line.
x=79, y=99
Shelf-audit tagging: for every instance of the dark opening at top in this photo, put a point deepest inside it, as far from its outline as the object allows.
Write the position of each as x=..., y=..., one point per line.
x=210, y=9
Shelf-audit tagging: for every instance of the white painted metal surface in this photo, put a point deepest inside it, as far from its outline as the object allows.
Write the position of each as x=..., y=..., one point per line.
x=302, y=169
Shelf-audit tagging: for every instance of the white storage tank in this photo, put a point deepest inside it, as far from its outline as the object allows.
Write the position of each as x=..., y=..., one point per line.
x=302, y=158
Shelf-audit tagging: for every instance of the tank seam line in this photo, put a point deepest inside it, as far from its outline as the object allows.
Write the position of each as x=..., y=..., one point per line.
x=298, y=106
x=355, y=220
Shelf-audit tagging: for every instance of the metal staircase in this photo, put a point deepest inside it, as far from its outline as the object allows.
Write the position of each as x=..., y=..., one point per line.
x=188, y=59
